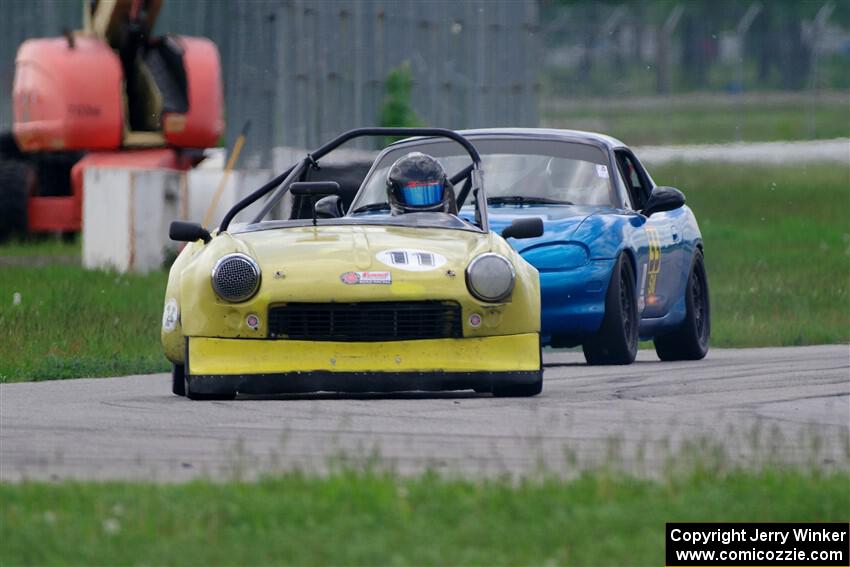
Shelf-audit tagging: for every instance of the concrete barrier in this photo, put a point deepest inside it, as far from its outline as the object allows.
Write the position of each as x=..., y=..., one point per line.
x=126, y=212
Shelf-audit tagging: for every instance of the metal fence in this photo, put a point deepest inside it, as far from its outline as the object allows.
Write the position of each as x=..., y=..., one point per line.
x=304, y=70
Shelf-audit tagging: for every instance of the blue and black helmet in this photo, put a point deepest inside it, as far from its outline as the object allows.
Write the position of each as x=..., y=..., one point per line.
x=418, y=183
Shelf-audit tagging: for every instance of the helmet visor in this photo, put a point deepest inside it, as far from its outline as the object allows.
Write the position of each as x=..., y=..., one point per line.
x=422, y=193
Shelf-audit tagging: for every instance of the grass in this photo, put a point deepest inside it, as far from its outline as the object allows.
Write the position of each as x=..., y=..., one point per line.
x=368, y=518
x=42, y=248
x=777, y=243
x=777, y=252
x=73, y=323
x=706, y=122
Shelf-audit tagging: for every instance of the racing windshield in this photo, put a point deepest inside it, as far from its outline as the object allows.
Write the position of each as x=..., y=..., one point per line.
x=517, y=172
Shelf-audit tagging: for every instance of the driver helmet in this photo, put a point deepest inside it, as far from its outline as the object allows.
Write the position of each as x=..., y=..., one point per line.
x=417, y=183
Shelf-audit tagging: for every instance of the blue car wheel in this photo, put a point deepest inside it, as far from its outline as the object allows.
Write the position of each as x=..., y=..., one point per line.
x=616, y=340
x=690, y=340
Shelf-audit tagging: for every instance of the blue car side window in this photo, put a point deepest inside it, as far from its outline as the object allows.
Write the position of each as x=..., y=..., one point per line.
x=637, y=185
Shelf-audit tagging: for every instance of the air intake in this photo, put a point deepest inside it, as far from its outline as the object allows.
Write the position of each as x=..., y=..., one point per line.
x=373, y=321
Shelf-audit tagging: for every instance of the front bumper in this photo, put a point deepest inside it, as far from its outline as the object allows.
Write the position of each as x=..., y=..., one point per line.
x=278, y=366
x=574, y=300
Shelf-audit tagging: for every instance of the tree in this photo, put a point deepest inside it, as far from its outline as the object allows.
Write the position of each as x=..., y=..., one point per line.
x=396, y=110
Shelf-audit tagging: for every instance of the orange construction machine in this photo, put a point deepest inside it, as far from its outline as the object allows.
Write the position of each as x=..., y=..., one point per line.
x=110, y=94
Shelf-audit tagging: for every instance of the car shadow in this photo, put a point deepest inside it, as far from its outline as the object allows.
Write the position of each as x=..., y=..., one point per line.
x=586, y=365
x=450, y=395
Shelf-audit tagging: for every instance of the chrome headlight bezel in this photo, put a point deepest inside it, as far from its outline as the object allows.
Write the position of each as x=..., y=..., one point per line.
x=254, y=267
x=477, y=293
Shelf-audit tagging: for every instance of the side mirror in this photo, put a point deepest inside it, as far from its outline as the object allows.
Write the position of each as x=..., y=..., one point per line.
x=524, y=228
x=663, y=199
x=329, y=207
x=182, y=231
x=314, y=188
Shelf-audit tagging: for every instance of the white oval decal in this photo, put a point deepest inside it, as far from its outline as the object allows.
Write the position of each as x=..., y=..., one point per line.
x=170, y=315
x=411, y=259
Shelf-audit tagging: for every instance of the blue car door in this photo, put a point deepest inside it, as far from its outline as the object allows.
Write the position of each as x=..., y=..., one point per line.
x=658, y=279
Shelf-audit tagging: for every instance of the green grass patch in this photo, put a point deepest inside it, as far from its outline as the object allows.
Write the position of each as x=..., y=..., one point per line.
x=46, y=247
x=71, y=323
x=364, y=518
x=707, y=123
x=777, y=242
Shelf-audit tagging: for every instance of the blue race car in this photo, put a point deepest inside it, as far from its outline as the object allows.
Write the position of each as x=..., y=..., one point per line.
x=620, y=257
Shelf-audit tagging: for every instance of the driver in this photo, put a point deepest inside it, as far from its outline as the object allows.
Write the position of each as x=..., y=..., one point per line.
x=417, y=183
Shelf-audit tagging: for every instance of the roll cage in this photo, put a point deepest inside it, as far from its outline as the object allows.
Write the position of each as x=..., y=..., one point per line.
x=281, y=183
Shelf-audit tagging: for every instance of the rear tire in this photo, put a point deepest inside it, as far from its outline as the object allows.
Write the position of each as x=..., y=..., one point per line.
x=15, y=179
x=690, y=340
x=178, y=379
x=616, y=340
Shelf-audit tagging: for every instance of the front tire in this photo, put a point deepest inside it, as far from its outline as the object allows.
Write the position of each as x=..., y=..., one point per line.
x=223, y=395
x=522, y=390
x=178, y=379
x=617, y=338
x=519, y=390
x=689, y=341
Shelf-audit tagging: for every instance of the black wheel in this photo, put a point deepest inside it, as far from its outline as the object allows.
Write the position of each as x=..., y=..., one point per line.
x=178, y=379
x=519, y=390
x=53, y=172
x=223, y=395
x=690, y=340
x=15, y=180
x=616, y=340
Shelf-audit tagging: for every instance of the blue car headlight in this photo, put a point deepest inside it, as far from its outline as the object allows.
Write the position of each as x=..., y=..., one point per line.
x=558, y=256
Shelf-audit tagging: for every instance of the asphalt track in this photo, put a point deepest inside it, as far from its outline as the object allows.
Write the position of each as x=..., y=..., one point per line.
x=744, y=406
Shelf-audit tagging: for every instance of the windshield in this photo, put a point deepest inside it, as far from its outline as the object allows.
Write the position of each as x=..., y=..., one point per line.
x=516, y=172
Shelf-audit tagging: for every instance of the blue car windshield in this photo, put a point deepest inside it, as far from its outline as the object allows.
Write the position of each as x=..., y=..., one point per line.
x=516, y=171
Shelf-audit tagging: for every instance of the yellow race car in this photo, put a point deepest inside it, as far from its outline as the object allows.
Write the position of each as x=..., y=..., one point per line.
x=407, y=297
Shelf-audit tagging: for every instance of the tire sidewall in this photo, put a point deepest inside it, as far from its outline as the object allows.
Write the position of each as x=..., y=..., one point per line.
x=698, y=271
x=632, y=340
x=610, y=345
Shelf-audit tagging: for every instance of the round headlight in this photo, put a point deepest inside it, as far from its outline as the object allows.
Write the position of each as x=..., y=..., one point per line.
x=490, y=277
x=236, y=277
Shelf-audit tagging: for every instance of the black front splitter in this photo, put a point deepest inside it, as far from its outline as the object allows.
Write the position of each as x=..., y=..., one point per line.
x=357, y=382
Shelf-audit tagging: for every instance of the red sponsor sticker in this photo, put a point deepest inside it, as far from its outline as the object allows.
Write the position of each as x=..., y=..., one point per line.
x=362, y=278
x=350, y=278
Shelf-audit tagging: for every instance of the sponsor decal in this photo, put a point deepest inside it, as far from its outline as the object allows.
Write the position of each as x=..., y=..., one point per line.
x=252, y=321
x=654, y=267
x=170, y=315
x=84, y=110
x=365, y=278
x=411, y=259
